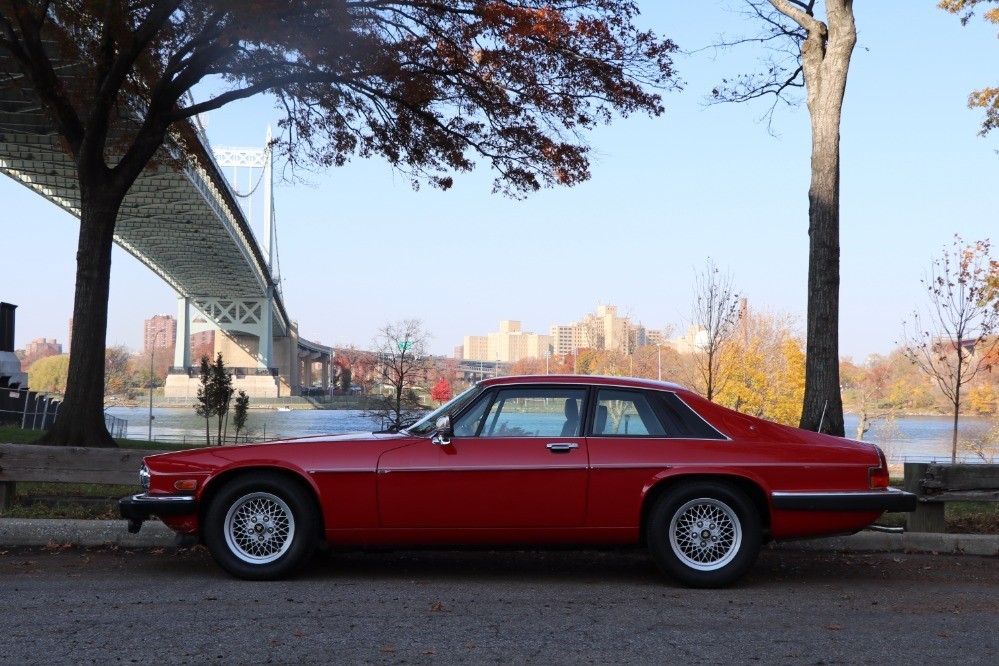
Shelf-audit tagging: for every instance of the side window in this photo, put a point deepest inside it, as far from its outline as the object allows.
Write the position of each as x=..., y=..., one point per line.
x=625, y=414
x=683, y=421
x=533, y=412
x=469, y=423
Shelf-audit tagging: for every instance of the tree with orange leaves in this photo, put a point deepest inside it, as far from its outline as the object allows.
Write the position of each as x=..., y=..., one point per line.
x=430, y=85
x=441, y=392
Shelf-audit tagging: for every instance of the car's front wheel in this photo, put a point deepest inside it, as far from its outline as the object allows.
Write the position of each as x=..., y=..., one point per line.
x=704, y=534
x=261, y=527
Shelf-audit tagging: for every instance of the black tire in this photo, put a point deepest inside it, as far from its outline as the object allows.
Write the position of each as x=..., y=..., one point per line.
x=261, y=526
x=704, y=534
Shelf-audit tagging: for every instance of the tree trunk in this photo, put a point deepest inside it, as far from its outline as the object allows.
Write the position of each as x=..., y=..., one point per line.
x=81, y=416
x=957, y=399
x=825, y=62
x=953, y=442
x=823, y=406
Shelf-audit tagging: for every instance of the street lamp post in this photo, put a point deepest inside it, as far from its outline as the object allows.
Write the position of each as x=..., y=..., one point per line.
x=152, y=355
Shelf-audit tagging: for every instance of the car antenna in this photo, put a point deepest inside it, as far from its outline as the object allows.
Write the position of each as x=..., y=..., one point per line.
x=823, y=417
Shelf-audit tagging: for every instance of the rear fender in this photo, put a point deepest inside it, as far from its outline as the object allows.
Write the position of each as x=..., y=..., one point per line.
x=753, y=486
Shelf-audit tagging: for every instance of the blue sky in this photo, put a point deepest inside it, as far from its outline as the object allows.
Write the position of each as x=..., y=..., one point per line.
x=360, y=248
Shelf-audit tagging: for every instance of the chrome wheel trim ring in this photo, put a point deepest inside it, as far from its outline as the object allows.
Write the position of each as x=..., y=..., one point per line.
x=259, y=528
x=705, y=534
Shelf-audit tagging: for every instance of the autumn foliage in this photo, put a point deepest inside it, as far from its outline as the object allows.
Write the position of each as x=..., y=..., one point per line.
x=441, y=392
x=986, y=98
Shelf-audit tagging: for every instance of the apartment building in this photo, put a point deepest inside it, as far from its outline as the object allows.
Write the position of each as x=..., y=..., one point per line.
x=508, y=345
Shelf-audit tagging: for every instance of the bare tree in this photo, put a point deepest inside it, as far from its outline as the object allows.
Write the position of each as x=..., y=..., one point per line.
x=715, y=313
x=952, y=339
x=402, y=364
x=806, y=52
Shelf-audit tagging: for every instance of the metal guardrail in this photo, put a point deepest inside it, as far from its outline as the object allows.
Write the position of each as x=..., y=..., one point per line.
x=27, y=409
x=32, y=410
x=116, y=426
x=195, y=371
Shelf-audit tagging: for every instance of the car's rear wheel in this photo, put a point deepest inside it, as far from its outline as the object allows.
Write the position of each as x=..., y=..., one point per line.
x=261, y=527
x=704, y=534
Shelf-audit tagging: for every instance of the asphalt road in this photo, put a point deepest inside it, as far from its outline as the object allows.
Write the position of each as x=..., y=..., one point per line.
x=68, y=605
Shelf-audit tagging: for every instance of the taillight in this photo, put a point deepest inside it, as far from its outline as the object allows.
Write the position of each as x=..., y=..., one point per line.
x=878, y=476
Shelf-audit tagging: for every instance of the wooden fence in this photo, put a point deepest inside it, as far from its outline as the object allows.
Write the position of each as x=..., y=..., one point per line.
x=65, y=464
x=936, y=484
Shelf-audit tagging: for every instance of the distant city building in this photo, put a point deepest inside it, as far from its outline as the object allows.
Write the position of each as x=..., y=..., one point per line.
x=508, y=345
x=202, y=340
x=459, y=352
x=565, y=339
x=601, y=330
x=159, y=332
x=40, y=347
x=655, y=337
x=476, y=348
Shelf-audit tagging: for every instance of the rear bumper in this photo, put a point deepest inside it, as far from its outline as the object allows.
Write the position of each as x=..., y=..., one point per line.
x=875, y=500
x=138, y=508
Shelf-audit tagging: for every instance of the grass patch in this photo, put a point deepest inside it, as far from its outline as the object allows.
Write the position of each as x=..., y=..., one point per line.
x=14, y=435
x=81, y=501
x=972, y=517
x=959, y=518
x=66, y=510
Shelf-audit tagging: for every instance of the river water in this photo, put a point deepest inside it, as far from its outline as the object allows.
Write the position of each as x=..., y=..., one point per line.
x=913, y=438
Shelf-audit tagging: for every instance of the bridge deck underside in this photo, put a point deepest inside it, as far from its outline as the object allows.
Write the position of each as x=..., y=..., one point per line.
x=180, y=222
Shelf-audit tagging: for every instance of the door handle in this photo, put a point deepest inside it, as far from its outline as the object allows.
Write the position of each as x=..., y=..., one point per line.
x=562, y=447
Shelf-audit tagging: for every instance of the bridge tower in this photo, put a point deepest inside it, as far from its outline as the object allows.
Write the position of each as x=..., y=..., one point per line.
x=266, y=362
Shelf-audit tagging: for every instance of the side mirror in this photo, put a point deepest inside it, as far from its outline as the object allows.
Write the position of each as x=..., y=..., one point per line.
x=444, y=431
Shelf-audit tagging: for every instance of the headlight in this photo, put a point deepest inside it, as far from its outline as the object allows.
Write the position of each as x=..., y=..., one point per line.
x=144, y=476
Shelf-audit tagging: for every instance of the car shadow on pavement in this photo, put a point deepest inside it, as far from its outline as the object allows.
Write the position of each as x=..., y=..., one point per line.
x=571, y=566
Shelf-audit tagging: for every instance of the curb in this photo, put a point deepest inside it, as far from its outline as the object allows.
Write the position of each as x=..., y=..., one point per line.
x=908, y=542
x=95, y=533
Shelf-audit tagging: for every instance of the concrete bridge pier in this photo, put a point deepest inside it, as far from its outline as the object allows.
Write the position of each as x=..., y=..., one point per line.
x=264, y=366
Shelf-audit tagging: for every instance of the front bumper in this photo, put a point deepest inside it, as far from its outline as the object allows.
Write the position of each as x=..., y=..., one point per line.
x=875, y=500
x=138, y=508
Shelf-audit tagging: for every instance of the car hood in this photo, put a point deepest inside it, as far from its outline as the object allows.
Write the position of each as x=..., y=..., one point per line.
x=279, y=449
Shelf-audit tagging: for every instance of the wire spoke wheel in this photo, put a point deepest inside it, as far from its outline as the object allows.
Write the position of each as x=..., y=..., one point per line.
x=705, y=534
x=259, y=528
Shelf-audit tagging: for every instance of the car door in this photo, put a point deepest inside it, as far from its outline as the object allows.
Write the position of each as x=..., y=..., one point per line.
x=516, y=459
x=633, y=436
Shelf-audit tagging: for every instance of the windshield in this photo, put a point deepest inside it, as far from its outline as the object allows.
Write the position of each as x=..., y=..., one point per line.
x=428, y=423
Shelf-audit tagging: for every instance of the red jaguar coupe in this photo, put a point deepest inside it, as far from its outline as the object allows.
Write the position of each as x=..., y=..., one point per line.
x=529, y=461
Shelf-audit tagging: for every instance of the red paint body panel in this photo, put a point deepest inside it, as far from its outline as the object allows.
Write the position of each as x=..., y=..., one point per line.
x=483, y=483
x=400, y=489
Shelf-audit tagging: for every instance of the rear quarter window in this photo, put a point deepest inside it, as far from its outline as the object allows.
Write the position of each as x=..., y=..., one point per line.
x=682, y=421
